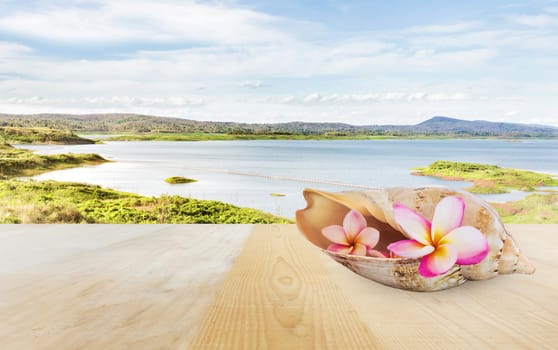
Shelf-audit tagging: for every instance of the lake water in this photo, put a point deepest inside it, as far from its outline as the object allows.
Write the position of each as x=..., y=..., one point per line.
x=246, y=173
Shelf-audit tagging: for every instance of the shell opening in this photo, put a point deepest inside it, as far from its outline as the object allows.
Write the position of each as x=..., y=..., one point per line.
x=323, y=209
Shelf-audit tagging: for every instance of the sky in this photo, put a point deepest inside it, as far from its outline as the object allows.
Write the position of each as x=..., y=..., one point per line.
x=266, y=61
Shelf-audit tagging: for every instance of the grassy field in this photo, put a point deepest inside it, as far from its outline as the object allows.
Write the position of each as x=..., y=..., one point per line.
x=487, y=178
x=535, y=208
x=61, y=202
x=22, y=135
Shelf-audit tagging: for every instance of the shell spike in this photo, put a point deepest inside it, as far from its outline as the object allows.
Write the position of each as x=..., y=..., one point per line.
x=512, y=261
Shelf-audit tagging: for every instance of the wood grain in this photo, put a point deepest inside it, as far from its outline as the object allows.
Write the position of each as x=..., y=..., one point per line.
x=227, y=287
x=146, y=291
x=278, y=296
x=507, y=312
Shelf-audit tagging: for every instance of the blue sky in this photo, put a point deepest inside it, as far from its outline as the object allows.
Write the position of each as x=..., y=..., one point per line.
x=361, y=62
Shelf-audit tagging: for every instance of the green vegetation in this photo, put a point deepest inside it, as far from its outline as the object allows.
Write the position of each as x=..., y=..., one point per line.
x=179, y=180
x=277, y=195
x=145, y=125
x=60, y=202
x=210, y=137
x=535, y=208
x=54, y=202
x=21, y=162
x=272, y=136
x=487, y=178
x=17, y=135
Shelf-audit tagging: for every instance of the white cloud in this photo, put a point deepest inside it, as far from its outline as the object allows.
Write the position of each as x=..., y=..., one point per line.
x=539, y=21
x=175, y=106
x=10, y=50
x=449, y=59
x=252, y=84
x=208, y=60
x=370, y=98
x=166, y=21
x=443, y=28
x=365, y=108
x=114, y=101
x=199, y=65
x=530, y=40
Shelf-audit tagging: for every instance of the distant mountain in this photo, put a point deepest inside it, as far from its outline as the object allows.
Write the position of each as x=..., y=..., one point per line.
x=134, y=123
x=442, y=125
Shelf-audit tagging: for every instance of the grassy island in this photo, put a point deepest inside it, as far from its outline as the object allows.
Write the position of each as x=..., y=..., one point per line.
x=487, y=178
x=21, y=162
x=21, y=135
x=179, y=180
x=535, y=208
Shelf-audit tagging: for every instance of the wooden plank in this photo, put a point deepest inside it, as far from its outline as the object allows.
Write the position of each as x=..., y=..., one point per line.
x=169, y=286
x=145, y=292
x=25, y=246
x=278, y=296
x=507, y=312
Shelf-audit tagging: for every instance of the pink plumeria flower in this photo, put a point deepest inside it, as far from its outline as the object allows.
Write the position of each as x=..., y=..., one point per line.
x=353, y=237
x=442, y=243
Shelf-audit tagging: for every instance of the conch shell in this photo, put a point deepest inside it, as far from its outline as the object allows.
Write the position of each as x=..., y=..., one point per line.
x=324, y=209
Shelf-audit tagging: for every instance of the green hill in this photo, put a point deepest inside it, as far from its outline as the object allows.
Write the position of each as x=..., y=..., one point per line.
x=34, y=134
x=151, y=125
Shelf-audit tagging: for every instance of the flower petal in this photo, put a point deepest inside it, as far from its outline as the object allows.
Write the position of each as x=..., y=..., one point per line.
x=369, y=237
x=359, y=249
x=335, y=234
x=447, y=216
x=340, y=248
x=410, y=248
x=439, y=262
x=375, y=253
x=472, y=246
x=353, y=223
x=414, y=224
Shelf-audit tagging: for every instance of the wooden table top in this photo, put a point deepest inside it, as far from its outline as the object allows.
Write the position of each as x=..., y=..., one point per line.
x=249, y=287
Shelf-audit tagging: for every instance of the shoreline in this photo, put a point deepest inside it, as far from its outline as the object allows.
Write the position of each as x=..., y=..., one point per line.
x=279, y=178
x=510, y=210
x=29, y=201
x=191, y=137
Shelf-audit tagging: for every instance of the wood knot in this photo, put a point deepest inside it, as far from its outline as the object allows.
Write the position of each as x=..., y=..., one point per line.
x=286, y=280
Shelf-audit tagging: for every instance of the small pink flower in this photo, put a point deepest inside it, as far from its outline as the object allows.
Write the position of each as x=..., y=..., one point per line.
x=442, y=243
x=353, y=237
